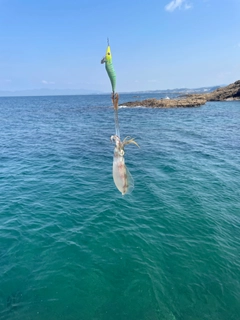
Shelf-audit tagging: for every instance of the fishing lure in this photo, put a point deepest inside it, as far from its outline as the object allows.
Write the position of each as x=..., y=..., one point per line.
x=109, y=68
x=112, y=76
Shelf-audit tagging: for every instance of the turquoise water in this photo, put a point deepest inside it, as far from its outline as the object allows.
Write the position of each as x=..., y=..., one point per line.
x=72, y=247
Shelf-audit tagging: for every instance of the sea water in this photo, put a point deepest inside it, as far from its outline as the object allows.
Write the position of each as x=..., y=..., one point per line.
x=72, y=247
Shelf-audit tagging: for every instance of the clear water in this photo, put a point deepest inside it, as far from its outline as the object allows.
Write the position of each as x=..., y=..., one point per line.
x=72, y=247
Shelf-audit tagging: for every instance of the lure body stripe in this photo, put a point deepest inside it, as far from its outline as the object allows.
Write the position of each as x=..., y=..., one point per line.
x=112, y=75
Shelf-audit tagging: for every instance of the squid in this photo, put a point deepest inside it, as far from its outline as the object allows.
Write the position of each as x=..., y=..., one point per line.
x=121, y=175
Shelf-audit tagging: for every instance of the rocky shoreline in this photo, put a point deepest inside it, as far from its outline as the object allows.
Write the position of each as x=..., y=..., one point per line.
x=228, y=93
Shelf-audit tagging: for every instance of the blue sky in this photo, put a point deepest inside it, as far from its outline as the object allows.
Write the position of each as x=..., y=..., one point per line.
x=160, y=44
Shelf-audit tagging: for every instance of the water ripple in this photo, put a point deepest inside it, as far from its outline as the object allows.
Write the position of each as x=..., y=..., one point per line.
x=72, y=247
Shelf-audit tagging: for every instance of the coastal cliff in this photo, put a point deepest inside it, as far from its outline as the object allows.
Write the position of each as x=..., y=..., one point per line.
x=230, y=92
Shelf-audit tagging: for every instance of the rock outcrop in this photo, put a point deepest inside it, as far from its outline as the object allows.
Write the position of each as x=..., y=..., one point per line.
x=168, y=103
x=230, y=92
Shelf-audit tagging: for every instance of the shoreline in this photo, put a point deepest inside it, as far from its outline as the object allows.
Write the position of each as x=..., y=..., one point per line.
x=228, y=93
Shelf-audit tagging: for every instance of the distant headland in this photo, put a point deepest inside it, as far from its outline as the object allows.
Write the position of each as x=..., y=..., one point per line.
x=227, y=93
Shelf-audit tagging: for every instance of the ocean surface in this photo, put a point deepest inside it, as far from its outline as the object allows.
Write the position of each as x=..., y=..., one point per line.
x=72, y=247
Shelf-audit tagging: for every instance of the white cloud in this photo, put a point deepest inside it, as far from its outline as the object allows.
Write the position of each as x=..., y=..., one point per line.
x=5, y=81
x=47, y=82
x=187, y=6
x=152, y=81
x=181, y=4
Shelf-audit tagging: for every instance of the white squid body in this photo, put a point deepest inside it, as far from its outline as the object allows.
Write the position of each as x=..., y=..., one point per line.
x=121, y=175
